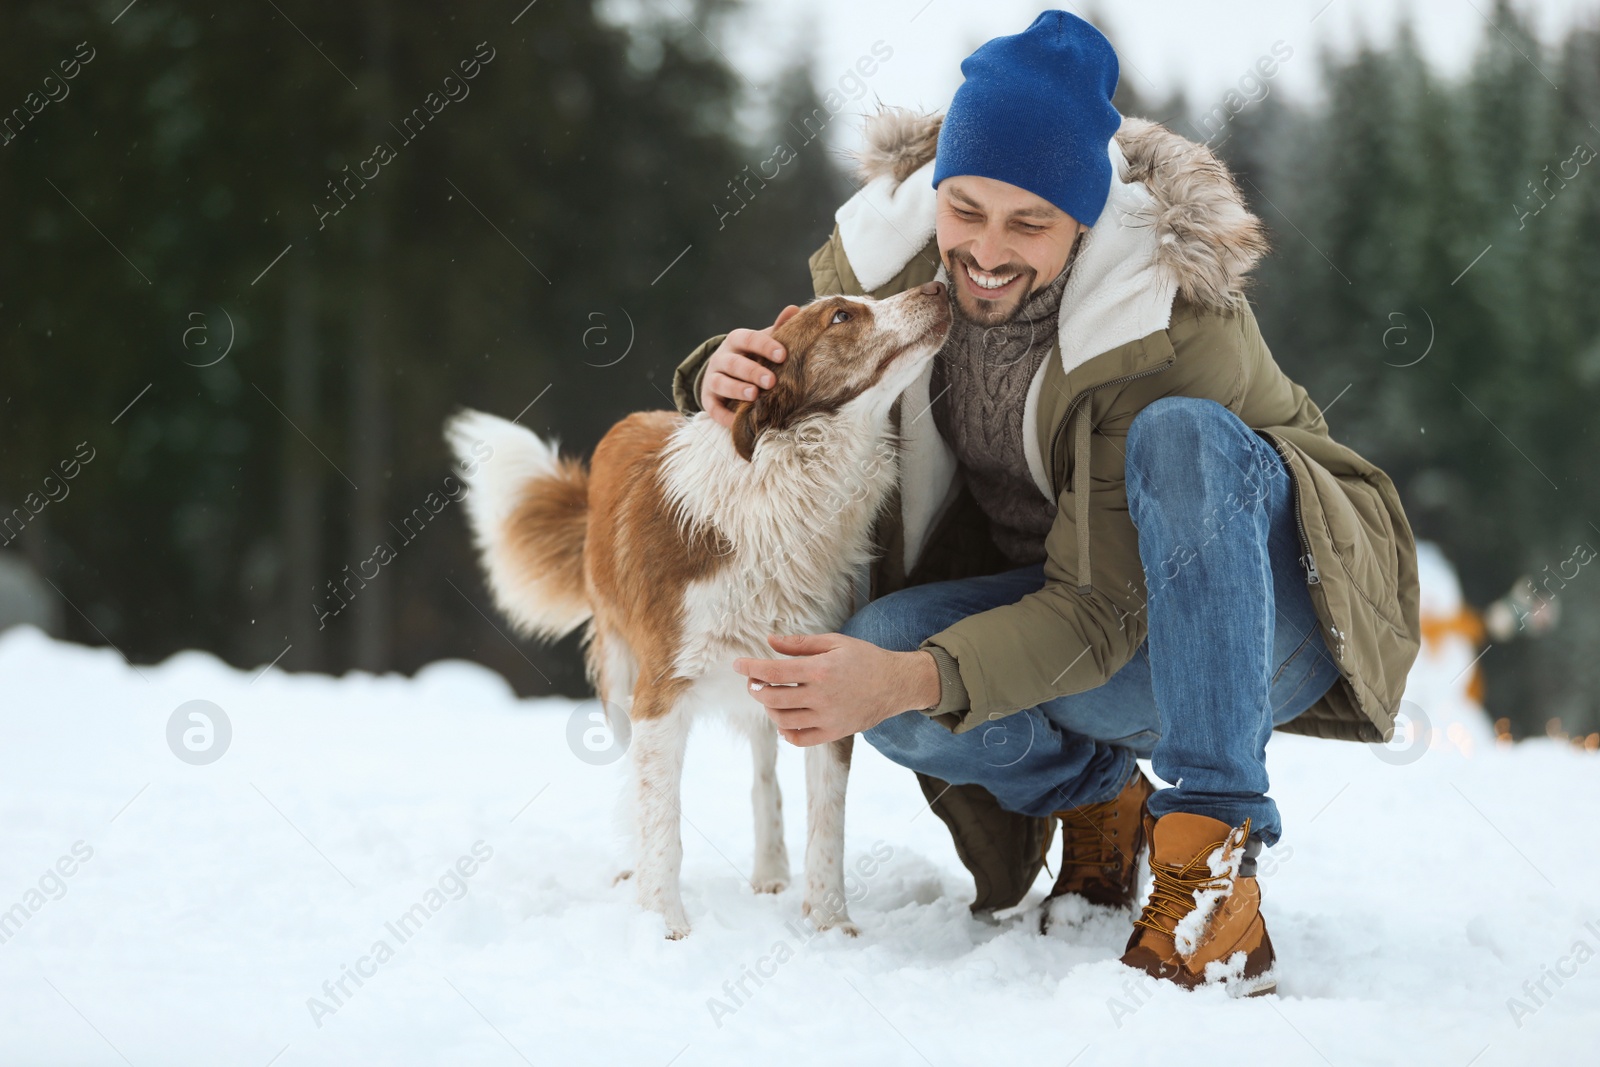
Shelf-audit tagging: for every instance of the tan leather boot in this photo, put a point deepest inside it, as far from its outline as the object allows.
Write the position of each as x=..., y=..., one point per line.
x=1100, y=846
x=1203, y=922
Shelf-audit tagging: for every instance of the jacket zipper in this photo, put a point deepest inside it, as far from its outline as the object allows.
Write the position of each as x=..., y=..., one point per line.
x=1307, y=560
x=1055, y=439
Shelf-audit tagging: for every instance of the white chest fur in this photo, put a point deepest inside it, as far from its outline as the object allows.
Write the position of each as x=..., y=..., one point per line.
x=797, y=519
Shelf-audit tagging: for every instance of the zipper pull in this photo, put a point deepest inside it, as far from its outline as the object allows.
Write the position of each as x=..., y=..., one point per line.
x=1310, y=564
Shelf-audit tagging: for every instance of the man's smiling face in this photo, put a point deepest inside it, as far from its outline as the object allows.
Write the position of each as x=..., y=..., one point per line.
x=1000, y=243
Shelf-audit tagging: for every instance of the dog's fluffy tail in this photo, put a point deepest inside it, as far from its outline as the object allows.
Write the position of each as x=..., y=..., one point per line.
x=529, y=510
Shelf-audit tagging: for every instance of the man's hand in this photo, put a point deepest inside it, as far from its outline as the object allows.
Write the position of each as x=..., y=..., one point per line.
x=844, y=685
x=732, y=374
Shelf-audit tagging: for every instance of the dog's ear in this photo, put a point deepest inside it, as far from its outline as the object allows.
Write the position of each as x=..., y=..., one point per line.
x=777, y=407
x=772, y=409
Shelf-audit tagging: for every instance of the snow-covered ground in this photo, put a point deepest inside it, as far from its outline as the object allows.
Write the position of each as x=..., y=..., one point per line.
x=175, y=914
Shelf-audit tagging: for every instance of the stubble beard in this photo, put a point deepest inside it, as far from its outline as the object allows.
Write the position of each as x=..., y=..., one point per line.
x=986, y=313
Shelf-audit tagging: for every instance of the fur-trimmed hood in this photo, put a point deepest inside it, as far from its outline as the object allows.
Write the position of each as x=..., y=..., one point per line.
x=1208, y=241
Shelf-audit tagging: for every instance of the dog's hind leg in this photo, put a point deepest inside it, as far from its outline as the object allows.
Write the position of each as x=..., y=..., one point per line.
x=612, y=668
x=660, y=731
x=613, y=671
x=771, y=873
x=827, y=773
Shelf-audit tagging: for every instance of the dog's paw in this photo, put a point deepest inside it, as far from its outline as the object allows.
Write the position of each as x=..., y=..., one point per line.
x=672, y=913
x=775, y=883
x=822, y=918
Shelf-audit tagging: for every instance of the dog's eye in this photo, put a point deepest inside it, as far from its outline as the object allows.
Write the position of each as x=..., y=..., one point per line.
x=839, y=316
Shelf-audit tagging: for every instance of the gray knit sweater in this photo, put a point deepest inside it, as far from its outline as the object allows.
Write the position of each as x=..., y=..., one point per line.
x=979, y=384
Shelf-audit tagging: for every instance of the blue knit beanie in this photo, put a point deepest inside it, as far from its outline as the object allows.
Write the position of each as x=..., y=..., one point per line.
x=1035, y=111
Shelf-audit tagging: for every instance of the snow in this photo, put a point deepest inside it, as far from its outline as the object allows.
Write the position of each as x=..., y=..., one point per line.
x=1409, y=902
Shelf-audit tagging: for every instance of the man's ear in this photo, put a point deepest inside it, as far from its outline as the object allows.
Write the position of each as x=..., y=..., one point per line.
x=772, y=409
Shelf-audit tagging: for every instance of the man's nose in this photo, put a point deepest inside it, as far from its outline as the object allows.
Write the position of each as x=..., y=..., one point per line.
x=988, y=250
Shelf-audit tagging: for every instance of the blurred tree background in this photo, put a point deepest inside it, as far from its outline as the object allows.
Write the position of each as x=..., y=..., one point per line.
x=554, y=217
x=553, y=241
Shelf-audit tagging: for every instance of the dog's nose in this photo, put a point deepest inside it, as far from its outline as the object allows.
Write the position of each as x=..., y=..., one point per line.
x=931, y=289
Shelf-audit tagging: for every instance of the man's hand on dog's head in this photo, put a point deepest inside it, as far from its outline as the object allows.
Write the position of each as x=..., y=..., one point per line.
x=837, y=685
x=731, y=373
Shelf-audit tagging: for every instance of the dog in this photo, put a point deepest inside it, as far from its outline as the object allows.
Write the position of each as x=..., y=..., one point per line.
x=684, y=544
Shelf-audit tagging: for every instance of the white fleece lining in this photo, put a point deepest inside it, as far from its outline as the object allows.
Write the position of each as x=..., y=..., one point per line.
x=885, y=224
x=1030, y=441
x=1116, y=294
x=925, y=460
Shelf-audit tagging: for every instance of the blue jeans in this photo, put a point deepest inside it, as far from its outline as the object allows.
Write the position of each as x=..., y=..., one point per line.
x=1233, y=648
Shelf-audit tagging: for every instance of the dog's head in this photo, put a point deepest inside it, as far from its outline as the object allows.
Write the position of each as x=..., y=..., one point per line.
x=845, y=354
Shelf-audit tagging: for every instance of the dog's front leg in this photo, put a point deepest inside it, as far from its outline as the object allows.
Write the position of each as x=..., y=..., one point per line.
x=772, y=859
x=657, y=749
x=827, y=772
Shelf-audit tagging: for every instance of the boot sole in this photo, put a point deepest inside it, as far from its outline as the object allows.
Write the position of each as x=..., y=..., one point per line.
x=1237, y=988
x=1259, y=986
x=1265, y=980
x=1261, y=960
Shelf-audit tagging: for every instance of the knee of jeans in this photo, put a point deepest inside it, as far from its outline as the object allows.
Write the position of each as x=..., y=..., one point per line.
x=1167, y=438
x=881, y=623
x=1175, y=424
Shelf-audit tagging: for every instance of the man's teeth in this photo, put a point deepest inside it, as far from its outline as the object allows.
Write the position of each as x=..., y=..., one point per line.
x=985, y=280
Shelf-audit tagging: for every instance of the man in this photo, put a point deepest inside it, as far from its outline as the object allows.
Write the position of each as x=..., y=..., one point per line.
x=1122, y=531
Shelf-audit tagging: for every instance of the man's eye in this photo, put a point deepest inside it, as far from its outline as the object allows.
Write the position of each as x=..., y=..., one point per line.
x=839, y=316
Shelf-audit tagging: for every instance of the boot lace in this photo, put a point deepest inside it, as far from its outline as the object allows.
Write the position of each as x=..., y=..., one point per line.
x=1173, y=893
x=1084, y=843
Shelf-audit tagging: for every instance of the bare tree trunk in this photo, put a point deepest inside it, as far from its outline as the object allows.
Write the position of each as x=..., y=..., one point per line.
x=302, y=476
x=369, y=412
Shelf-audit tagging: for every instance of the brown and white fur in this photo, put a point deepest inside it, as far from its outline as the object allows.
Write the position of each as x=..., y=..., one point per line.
x=685, y=544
